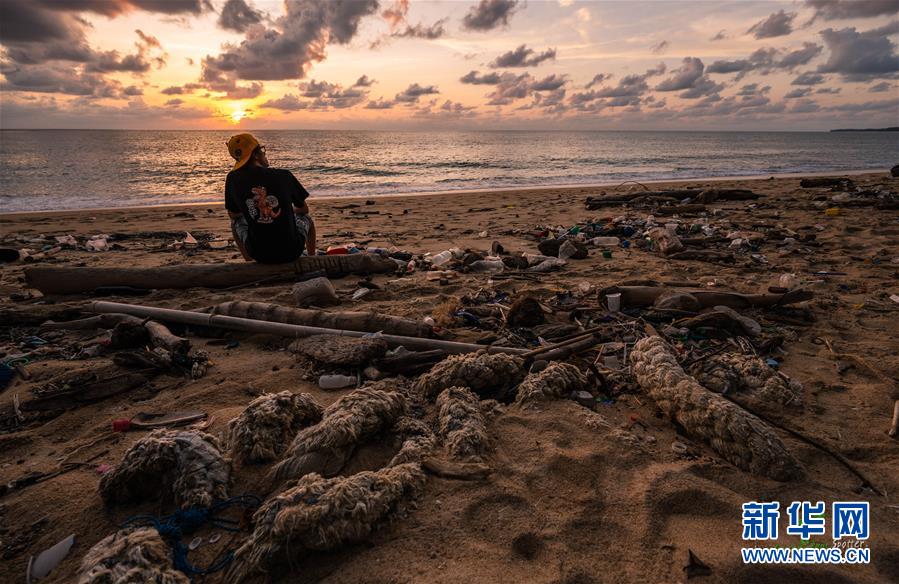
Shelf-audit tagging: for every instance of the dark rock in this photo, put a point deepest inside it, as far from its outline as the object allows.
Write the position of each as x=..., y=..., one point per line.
x=894, y=172
x=549, y=247
x=525, y=312
x=515, y=262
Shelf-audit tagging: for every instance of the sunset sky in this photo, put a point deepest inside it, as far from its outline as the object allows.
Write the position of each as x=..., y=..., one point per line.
x=492, y=64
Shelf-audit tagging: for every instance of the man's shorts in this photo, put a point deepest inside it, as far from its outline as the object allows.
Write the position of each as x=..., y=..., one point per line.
x=303, y=221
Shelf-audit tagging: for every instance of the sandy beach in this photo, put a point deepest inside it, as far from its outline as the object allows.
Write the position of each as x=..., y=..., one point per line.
x=611, y=491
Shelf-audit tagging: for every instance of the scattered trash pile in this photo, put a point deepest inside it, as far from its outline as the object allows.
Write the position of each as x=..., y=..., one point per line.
x=836, y=193
x=38, y=248
x=423, y=393
x=134, y=353
x=429, y=404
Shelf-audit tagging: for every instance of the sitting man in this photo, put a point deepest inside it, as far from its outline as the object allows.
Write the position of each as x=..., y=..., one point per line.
x=269, y=215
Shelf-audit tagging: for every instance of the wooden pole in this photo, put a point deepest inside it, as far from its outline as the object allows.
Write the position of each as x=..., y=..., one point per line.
x=287, y=330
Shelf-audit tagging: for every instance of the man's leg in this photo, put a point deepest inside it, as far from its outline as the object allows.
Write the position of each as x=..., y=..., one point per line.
x=306, y=227
x=240, y=230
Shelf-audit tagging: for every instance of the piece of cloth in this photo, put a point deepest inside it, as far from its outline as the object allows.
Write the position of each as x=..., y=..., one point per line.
x=265, y=197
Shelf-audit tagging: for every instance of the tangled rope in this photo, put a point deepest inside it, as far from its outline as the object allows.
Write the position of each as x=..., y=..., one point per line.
x=172, y=529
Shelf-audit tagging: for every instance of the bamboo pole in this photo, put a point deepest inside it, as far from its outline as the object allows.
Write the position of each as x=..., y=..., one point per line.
x=282, y=329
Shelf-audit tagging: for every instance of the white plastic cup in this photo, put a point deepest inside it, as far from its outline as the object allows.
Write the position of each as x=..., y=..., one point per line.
x=613, y=301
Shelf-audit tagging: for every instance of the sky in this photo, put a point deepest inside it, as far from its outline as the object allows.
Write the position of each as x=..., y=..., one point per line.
x=801, y=65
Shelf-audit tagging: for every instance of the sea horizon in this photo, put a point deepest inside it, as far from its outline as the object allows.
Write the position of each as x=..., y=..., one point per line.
x=45, y=170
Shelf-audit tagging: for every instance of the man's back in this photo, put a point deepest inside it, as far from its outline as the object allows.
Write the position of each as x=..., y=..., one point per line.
x=265, y=197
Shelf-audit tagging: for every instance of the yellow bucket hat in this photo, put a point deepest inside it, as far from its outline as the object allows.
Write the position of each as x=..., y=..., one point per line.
x=241, y=147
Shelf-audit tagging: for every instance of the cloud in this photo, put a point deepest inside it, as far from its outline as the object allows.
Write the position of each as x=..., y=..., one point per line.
x=364, y=81
x=475, y=78
x=112, y=8
x=549, y=83
x=522, y=56
x=778, y=24
x=805, y=106
x=175, y=102
x=720, y=36
x=702, y=87
x=420, y=31
x=767, y=60
x=809, y=78
x=629, y=91
x=172, y=90
x=489, y=14
x=798, y=92
x=860, y=56
x=58, y=79
x=287, y=49
x=881, y=87
x=412, y=93
x=238, y=16
x=244, y=91
x=332, y=95
x=683, y=77
x=828, y=90
x=845, y=9
x=659, y=48
x=132, y=90
x=597, y=79
x=801, y=56
x=287, y=103
x=889, y=105
x=510, y=88
x=753, y=89
x=448, y=110
x=379, y=104
x=396, y=14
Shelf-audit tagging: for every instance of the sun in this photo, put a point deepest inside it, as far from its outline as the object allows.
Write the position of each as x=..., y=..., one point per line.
x=237, y=115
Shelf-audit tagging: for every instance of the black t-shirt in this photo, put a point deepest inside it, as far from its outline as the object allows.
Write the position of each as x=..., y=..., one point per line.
x=265, y=196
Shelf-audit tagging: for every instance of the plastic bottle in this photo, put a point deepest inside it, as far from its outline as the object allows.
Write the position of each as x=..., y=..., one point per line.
x=491, y=266
x=604, y=241
x=441, y=258
x=336, y=381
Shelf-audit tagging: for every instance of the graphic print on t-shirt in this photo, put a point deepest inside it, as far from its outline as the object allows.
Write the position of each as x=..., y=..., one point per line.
x=263, y=207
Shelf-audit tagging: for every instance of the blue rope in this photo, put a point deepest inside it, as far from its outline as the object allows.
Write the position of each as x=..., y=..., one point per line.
x=173, y=527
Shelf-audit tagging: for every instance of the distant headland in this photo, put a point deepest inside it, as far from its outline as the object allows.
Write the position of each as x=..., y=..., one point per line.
x=890, y=129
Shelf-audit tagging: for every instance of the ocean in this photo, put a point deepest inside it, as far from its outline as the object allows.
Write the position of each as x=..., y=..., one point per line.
x=81, y=169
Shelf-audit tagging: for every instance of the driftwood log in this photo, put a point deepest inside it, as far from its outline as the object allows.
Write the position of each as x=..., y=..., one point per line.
x=823, y=181
x=160, y=335
x=637, y=296
x=38, y=313
x=699, y=196
x=75, y=280
x=370, y=322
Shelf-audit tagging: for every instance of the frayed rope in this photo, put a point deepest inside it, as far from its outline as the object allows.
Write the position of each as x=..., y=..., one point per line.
x=185, y=521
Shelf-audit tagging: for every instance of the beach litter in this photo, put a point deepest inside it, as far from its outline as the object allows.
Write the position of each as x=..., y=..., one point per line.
x=461, y=424
x=487, y=375
x=738, y=436
x=353, y=419
x=265, y=427
x=185, y=466
x=130, y=555
x=319, y=514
